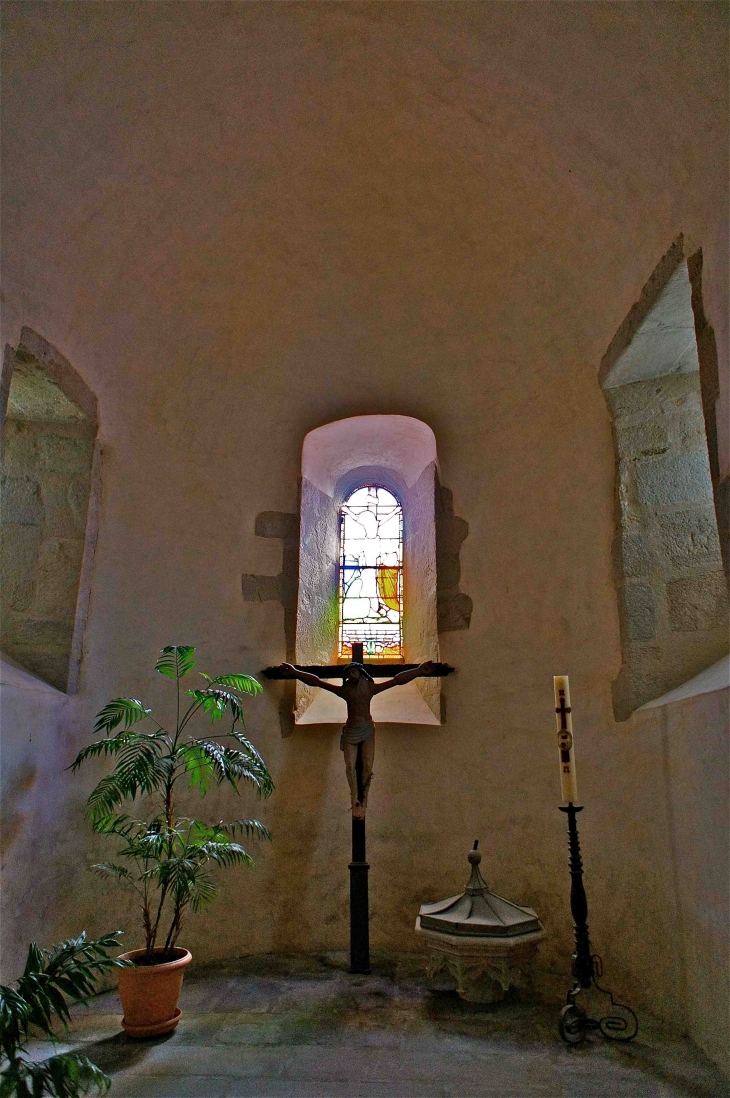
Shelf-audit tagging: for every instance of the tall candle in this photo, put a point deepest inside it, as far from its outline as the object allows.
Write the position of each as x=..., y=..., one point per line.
x=566, y=749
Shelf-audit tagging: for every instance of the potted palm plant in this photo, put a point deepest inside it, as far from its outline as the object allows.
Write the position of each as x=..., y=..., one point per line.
x=166, y=857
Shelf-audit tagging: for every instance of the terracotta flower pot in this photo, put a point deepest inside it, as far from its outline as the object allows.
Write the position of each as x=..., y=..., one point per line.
x=149, y=993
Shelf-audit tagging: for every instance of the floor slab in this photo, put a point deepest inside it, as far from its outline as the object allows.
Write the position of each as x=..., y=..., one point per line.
x=280, y=1027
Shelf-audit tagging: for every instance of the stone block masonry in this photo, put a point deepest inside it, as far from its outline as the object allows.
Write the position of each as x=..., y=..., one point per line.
x=668, y=568
x=46, y=478
x=49, y=424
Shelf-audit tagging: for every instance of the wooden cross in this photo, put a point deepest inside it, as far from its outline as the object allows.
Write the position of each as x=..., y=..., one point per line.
x=359, y=917
x=377, y=670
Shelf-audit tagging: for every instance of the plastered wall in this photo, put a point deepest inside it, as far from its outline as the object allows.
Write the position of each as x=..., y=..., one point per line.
x=240, y=222
x=690, y=833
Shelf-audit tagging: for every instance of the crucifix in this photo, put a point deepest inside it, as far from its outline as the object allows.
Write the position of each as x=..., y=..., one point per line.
x=357, y=742
x=565, y=739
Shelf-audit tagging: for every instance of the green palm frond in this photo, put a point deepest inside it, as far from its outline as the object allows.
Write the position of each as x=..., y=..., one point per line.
x=245, y=684
x=202, y=892
x=140, y=769
x=142, y=840
x=244, y=766
x=196, y=832
x=119, y=872
x=119, y=825
x=211, y=702
x=140, y=764
x=149, y=846
x=126, y=711
x=105, y=797
x=176, y=874
x=176, y=660
x=248, y=748
x=50, y=977
x=249, y=828
x=198, y=766
x=65, y=1076
x=229, y=698
x=215, y=699
x=116, y=744
x=226, y=853
x=217, y=757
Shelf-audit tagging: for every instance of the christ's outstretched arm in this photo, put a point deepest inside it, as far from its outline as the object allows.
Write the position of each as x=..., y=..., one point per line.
x=289, y=671
x=405, y=676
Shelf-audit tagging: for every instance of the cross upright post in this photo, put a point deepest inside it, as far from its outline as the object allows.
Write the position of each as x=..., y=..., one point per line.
x=359, y=867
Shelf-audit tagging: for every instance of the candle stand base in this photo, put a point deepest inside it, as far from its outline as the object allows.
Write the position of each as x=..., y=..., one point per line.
x=619, y=1023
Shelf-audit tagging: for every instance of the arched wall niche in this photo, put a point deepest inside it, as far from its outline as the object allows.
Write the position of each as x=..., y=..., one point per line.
x=50, y=471
x=668, y=566
x=399, y=453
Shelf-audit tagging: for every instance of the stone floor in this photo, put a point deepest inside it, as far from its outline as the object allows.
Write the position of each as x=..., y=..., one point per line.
x=300, y=1028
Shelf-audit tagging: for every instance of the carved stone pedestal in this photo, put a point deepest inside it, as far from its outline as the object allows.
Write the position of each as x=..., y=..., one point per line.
x=483, y=968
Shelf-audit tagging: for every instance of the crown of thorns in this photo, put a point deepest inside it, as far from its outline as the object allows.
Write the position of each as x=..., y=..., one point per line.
x=360, y=667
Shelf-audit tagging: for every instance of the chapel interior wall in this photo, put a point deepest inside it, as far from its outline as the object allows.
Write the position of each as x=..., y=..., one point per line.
x=287, y=220
x=692, y=950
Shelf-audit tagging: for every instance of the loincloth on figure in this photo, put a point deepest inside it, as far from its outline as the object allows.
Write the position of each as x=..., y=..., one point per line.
x=356, y=733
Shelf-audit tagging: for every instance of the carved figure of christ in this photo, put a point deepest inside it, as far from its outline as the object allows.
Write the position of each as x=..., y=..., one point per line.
x=358, y=735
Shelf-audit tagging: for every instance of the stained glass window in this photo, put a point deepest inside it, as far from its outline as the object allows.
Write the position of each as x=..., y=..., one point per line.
x=371, y=574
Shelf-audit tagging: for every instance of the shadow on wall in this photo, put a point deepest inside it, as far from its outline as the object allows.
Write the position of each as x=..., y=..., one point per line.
x=283, y=589
x=311, y=899
x=13, y=813
x=668, y=568
x=453, y=606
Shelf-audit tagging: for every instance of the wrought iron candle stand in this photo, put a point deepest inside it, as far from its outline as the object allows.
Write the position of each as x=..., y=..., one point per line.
x=620, y=1023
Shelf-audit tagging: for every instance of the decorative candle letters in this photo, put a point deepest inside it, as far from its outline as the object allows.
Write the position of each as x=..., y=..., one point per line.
x=566, y=751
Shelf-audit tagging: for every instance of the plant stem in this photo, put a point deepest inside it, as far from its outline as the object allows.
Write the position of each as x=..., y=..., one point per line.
x=147, y=923
x=175, y=928
x=153, y=939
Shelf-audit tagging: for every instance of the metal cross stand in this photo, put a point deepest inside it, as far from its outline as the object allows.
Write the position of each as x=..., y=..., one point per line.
x=620, y=1023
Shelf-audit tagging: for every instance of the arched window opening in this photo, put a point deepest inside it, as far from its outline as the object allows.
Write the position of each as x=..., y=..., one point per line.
x=672, y=598
x=50, y=510
x=367, y=536
x=371, y=574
